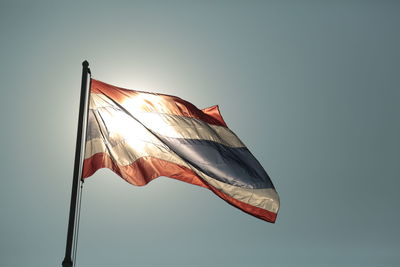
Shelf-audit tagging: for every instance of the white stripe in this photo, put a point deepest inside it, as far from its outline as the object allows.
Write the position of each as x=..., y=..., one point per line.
x=123, y=154
x=167, y=125
x=188, y=128
x=100, y=101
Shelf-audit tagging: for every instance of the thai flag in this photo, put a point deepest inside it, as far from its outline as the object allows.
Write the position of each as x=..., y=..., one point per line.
x=141, y=136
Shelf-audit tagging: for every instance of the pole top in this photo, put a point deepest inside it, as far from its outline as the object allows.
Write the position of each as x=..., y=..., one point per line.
x=85, y=64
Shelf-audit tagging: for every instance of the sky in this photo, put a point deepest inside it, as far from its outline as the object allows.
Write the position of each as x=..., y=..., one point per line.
x=311, y=87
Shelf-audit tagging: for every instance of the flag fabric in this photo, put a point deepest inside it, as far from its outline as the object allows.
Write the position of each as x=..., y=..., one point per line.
x=142, y=136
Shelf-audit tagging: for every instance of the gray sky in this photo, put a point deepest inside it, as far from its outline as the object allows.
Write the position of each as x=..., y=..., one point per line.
x=311, y=88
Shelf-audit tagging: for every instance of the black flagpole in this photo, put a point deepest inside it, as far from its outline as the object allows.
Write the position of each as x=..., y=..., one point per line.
x=67, y=262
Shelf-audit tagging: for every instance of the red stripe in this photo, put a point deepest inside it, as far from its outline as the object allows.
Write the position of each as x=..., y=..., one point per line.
x=142, y=171
x=146, y=169
x=165, y=104
x=214, y=112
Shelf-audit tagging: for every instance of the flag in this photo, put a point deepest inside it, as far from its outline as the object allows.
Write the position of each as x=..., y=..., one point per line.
x=142, y=136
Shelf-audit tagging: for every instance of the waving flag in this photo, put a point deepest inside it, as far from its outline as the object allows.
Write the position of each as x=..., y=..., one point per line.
x=141, y=136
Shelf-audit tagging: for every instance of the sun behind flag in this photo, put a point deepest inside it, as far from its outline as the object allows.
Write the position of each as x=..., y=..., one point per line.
x=142, y=136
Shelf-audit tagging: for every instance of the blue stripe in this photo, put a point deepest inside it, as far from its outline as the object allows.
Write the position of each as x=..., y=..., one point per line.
x=234, y=166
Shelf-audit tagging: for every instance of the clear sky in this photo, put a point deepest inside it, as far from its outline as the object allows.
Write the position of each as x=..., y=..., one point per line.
x=311, y=87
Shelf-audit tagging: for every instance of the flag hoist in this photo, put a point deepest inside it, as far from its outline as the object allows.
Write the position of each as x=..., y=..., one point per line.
x=141, y=136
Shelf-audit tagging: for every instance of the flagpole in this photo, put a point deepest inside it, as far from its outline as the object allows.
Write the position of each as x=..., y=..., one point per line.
x=67, y=262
